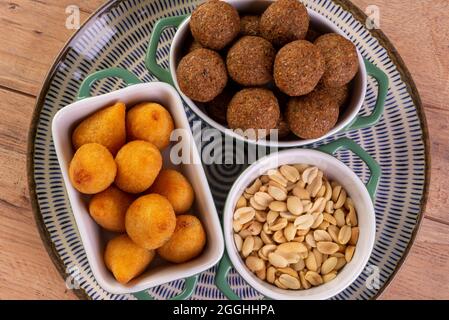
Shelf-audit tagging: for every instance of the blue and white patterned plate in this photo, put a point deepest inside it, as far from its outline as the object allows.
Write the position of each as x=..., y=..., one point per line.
x=118, y=34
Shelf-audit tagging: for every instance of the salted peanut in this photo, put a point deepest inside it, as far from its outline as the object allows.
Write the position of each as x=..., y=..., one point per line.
x=337, y=255
x=290, y=232
x=244, y=214
x=276, y=184
x=354, y=236
x=338, y=196
x=318, y=205
x=291, y=257
x=304, y=283
x=290, y=173
x=307, y=204
x=261, y=216
x=254, y=187
x=344, y=235
x=278, y=206
x=264, y=188
x=327, y=247
x=309, y=174
x=294, y=205
x=105, y=127
x=301, y=167
x=324, y=225
x=339, y=216
x=311, y=262
x=266, y=238
x=266, y=250
x=271, y=274
x=247, y=246
x=272, y=216
x=299, y=239
x=314, y=187
x=241, y=202
x=287, y=270
x=266, y=228
x=258, y=243
x=351, y=217
x=237, y=226
x=290, y=186
x=254, y=263
x=263, y=198
x=328, y=265
x=276, y=176
x=279, y=284
x=125, y=259
x=279, y=224
x=277, y=193
x=277, y=260
x=304, y=222
x=333, y=232
x=247, y=196
x=321, y=193
x=279, y=237
x=255, y=205
x=238, y=242
x=321, y=235
x=289, y=216
x=254, y=227
x=329, y=276
x=301, y=193
x=313, y=278
x=304, y=232
x=349, y=253
x=262, y=274
x=289, y=282
x=298, y=266
x=318, y=257
x=292, y=247
x=340, y=264
x=317, y=219
x=330, y=218
x=310, y=240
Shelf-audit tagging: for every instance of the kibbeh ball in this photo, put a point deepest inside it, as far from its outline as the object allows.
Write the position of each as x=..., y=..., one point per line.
x=250, y=61
x=249, y=25
x=298, y=67
x=253, y=108
x=284, y=21
x=341, y=59
x=283, y=128
x=217, y=108
x=214, y=24
x=339, y=94
x=194, y=45
x=313, y=115
x=202, y=75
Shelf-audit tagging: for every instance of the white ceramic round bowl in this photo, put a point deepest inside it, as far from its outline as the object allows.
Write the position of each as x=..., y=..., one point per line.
x=319, y=23
x=333, y=169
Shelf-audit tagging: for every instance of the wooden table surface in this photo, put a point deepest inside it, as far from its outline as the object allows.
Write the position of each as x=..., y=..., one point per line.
x=33, y=32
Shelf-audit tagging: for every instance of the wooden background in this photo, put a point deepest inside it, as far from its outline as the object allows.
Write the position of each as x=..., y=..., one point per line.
x=33, y=32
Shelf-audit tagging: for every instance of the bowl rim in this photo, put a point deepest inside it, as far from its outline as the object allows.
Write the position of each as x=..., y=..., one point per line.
x=218, y=249
x=266, y=288
x=339, y=127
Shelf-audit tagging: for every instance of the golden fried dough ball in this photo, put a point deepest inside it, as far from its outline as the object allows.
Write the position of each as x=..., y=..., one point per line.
x=150, y=221
x=106, y=127
x=176, y=188
x=92, y=168
x=108, y=208
x=150, y=122
x=187, y=242
x=138, y=164
x=125, y=259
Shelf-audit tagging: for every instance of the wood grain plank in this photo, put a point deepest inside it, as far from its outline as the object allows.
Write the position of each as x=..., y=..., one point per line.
x=26, y=270
x=424, y=274
x=24, y=62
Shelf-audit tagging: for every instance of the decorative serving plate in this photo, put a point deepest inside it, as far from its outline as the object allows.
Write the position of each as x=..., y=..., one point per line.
x=118, y=34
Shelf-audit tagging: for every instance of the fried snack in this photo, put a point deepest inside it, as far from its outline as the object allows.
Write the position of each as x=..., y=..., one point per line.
x=202, y=75
x=298, y=67
x=284, y=21
x=106, y=127
x=138, y=164
x=108, y=208
x=214, y=24
x=250, y=61
x=92, y=168
x=187, y=241
x=125, y=259
x=341, y=58
x=249, y=25
x=150, y=122
x=150, y=221
x=313, y=115
x=253, y=108
x=176, y=188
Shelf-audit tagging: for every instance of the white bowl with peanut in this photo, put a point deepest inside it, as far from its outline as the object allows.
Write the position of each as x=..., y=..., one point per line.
x=299, y=224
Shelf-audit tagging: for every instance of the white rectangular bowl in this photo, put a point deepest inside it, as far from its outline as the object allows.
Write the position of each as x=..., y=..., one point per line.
x=92, y=236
